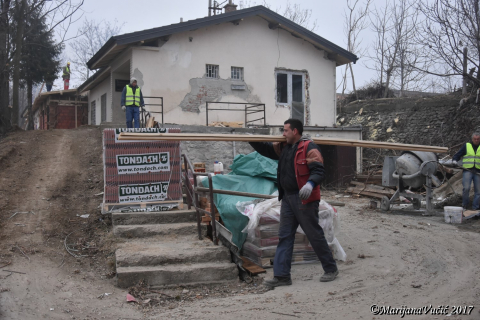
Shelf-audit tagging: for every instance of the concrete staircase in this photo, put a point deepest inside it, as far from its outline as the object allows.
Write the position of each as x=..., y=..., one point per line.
x=163, y=249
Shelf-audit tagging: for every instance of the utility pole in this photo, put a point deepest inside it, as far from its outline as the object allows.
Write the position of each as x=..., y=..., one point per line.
x=465, y=51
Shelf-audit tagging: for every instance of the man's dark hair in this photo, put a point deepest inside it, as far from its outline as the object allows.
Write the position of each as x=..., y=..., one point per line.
x=295, y=124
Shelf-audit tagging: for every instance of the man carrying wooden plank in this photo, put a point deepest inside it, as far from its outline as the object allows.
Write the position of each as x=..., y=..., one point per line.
x=300, y=172
x=471, y=170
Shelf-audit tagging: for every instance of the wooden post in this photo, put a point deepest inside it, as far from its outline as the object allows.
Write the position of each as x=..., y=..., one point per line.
x=76, y=112
x=465, y=51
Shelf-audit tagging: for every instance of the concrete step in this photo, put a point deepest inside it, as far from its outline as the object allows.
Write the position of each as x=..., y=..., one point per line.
x=177, y=274
x=171, y=230
x=174, y=216
x=136, y=254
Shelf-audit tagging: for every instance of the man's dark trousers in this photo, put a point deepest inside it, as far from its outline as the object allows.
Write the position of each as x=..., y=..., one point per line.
x=293, y=213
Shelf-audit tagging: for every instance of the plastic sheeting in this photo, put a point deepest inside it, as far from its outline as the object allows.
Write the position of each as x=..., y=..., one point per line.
x=233, y=220
x=254, y=165
x=259, y=233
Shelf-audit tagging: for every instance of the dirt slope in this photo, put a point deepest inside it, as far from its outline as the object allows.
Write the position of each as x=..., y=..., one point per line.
x=48, y=179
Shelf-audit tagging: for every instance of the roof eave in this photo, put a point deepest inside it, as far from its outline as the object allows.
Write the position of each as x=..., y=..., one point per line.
x=131, y=38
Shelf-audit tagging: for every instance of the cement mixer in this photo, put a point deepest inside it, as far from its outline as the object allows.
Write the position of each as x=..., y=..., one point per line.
x=412, y=169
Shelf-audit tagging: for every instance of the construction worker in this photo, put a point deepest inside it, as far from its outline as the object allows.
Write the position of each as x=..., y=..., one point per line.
x=471, y=170
x=300, y=171
x=66, y=76
x=132, y=100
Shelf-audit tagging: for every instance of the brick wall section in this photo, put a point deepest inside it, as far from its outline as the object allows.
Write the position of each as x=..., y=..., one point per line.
x=438, y=121
x=66, y=117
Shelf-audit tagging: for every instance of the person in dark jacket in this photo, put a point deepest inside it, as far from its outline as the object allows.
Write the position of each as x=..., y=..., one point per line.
x=132, y=101
x=471, y=170
x=300, y=172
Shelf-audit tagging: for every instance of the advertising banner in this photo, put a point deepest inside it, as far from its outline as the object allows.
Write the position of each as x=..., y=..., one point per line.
x=143, y=163
x=143, y=192
x=137, y=130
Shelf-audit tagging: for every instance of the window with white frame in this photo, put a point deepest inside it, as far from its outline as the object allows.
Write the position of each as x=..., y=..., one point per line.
x=290, y=91
x=237, y=73
x=212, y=71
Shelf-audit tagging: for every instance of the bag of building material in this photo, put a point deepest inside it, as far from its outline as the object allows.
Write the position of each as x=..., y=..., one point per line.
x=329, y=220
x=255, y=209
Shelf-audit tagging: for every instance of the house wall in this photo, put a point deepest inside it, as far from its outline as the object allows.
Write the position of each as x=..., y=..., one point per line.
x=118, y=116
x=176, y=71
x=95, y=95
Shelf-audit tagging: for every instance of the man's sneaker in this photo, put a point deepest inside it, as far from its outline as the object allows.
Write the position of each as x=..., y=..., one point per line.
x=277, y=282
x=329, y=276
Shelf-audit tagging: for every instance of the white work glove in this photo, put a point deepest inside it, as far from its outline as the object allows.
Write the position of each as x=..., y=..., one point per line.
x=306, y=191
x=454, y=163
x=124, y=108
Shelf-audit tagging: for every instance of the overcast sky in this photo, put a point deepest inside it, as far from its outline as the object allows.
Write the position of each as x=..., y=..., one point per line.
x=146, y=14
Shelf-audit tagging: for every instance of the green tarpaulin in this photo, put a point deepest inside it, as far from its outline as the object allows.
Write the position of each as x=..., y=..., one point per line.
x=255, y=165
x=248, y=172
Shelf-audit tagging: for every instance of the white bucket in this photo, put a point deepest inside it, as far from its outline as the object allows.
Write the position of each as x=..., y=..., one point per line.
x=453, y=214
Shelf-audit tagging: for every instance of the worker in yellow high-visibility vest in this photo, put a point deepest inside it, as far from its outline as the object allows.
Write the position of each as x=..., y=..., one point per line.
x=471, y=170
x=132, y=101
x=66, y=76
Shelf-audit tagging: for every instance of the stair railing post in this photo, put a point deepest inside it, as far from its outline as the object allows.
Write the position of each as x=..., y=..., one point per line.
x=212, y=210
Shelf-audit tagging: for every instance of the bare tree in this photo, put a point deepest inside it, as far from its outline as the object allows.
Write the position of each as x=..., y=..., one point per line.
x=448, y=28
x=60, y=15
x=355, y=22
x=293, y=12
x=380, y=25
x=94, y=35
x=396, y=56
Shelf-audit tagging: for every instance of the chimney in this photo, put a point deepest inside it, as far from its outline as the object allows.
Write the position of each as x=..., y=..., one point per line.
x=230, y=7
x=181, y=19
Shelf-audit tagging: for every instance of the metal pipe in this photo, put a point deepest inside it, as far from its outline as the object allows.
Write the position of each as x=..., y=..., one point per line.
x=187, y=183
x=235, y=193
x=209, y=8
x=214, y=227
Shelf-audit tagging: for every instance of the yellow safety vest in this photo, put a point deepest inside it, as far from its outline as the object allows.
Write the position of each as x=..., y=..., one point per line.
x=132, y=99
x=66, y=72
x=471, y=159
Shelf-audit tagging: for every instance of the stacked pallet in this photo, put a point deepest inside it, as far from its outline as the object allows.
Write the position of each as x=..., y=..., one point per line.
x=261, y=245
x=369, y=190
x=204, y=203
x=137, y=173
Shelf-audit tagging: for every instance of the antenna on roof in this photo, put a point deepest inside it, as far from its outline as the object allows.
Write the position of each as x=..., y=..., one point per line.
x=216, y=7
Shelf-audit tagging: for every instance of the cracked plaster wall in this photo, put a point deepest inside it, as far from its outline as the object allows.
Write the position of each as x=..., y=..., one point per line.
x=204, y=89
x=176, y=71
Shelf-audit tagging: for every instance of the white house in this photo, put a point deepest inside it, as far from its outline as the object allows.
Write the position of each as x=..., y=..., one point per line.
x=250, y=56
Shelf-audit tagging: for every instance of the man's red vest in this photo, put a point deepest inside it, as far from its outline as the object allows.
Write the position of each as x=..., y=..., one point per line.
x=302, y=172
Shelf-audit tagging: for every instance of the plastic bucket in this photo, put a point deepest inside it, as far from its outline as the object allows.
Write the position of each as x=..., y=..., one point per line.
x=453, y=214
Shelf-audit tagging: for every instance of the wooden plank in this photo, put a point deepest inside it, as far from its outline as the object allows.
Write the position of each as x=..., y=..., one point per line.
x=372, y=187
x=369, y=194
x=267, y=138
x=357, y=190
x=251, y=267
